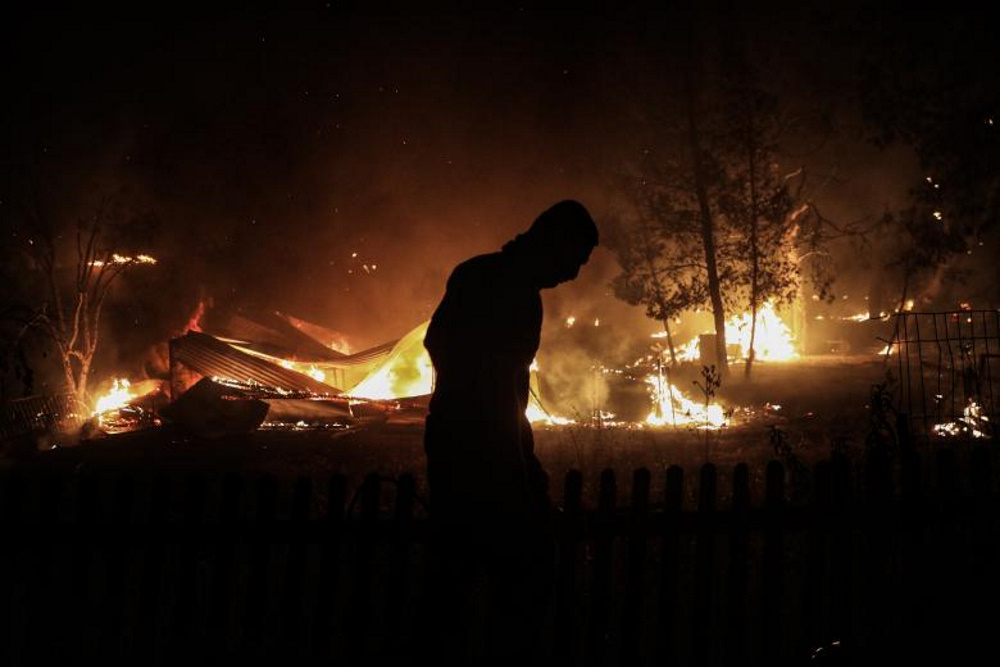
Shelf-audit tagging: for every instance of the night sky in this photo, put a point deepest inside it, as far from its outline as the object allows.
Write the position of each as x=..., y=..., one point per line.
x=335, y=163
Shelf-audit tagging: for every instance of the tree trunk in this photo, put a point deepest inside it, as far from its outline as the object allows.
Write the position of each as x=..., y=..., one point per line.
x=754, y=246
x=707, y=232
x=670, y=342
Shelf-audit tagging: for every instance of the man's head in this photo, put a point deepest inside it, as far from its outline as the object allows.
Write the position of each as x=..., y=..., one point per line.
x=557, y=244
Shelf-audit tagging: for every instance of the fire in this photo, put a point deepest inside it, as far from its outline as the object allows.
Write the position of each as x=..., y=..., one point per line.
x=116, y=398
x=406, y=372
x=124, y=259
x=972, y=422
x=673, y=408
x=863, y=317
x=536, y=414
x=311, y=370
x=773, y=340
x=689, y=351
x=570, y=321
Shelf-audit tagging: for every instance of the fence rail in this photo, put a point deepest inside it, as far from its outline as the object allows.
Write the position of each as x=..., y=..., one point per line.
x=154, y=569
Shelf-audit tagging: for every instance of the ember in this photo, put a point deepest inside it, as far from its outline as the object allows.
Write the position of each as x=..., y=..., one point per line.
x=973, y=422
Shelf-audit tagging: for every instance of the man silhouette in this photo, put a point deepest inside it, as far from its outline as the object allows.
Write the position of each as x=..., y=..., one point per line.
x=489, y=501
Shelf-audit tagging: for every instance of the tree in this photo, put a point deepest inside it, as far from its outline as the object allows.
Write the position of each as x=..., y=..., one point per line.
x=72, y=305
x=755, y=198
x=657, y=245
x=944, y=104
x=717, y=221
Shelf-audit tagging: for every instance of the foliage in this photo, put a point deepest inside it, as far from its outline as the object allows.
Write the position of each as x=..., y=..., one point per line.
x=943, y=104
x=766, y=230
x=882, y=434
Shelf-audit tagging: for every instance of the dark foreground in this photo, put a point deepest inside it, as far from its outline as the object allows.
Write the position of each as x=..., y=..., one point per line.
x=145, y=558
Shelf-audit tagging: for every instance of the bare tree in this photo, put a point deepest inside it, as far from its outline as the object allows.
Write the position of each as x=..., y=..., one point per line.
x=70, y=313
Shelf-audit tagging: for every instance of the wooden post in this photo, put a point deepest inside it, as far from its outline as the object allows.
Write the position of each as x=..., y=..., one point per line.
x=841, y=565
x=704, y=632
x=604, y=539
x=11, y=493
x=329, y=583
x=184, y=639
x=148, y=637
x=569, y=531
x=118, y=547
x=878, y=528
x=632, y=612
x=223, y=571
x=256, y=639
x=739, y=548
x=673, y=504
x=291, y=602
x=395, y=607
x=83, y=635
x=359, y=607
x=914, y=562
x=43, y=588
x=771, y=594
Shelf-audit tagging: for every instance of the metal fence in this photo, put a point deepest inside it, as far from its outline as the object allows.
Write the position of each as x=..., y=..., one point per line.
x=948, y=367
x=38, y=414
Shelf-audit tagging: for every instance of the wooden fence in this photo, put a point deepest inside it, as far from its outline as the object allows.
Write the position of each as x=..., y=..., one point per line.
x=149, y=569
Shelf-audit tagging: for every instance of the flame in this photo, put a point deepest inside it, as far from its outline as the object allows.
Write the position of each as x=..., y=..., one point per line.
x=689, y=351
x=773, y=340
x=536, y=414
x=124, y=259
x=116, y=398
x=407, y=371
x=672, y=408
x=570, y=321
x=311, y=370
x=972, y=422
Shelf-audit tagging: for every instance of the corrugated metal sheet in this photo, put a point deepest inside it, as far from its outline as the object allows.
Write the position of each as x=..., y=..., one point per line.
x=211, y=357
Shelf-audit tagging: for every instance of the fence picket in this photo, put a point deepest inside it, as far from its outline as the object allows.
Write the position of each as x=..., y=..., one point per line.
x=569, y=533
x=329, y=583
x=771, y=566
x=632, y=612
x=604, y=539
x=739, y=549
x=359, y=608
x=673, y=503
x=291, y=602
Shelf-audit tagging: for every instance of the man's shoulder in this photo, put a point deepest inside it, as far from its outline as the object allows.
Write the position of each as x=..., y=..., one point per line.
x=477, y=269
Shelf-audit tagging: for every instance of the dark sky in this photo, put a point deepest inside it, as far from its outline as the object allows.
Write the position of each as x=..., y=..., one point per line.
x=272, y=147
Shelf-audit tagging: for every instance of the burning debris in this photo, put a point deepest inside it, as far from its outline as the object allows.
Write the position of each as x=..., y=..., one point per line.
x=127, y=407
x=773, y=339
x=974, y=422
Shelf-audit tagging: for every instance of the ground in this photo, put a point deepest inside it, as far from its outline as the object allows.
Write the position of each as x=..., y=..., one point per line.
x=823, y=404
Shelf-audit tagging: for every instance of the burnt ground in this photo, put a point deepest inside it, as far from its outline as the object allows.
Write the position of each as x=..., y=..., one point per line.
x=823, y=405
